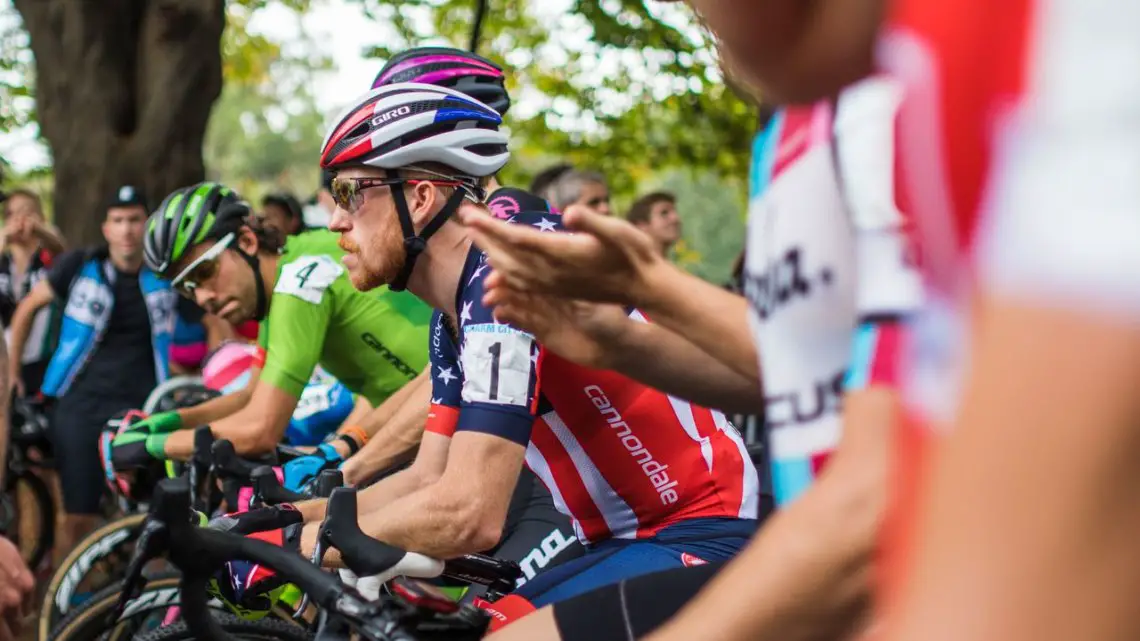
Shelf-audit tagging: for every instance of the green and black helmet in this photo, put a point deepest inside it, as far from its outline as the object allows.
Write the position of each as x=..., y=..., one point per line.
x=188, y=216
x=192, y=215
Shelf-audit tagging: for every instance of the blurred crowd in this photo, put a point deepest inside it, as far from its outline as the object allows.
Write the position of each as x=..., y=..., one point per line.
x=31, y=248
x=41, y=273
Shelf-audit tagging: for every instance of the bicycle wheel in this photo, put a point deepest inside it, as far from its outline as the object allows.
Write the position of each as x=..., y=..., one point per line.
x=97, y=561
x=180, y=391
x=267, y=629
x=90, y=621
x=27, y=516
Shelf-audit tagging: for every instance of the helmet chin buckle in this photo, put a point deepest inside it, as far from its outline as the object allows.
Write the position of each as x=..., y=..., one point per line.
x=414, y=246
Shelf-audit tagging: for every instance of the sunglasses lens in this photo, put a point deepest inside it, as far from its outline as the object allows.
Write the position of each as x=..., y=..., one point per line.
x=345, y=193
x=204, y=271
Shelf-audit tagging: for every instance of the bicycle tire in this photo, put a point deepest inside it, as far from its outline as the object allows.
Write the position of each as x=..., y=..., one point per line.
x=45, y=516
x=167, y=389
x=116, y=536
x=89, y=620
x=262, y=630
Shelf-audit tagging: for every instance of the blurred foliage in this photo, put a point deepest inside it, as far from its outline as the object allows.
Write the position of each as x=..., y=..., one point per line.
x=247, y=57
x=628, y=87
x=712, y=210
x=17, y=82
x=631, y=88
x=266, y=130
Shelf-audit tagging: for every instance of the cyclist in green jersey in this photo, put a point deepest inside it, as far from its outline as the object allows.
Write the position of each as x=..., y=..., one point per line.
x=205, y=240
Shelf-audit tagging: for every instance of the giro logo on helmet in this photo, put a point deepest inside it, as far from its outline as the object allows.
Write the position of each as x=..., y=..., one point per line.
x=388, y=115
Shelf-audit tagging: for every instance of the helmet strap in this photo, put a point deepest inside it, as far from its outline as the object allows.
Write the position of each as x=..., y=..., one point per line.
x=255, y=264
x=415, y=244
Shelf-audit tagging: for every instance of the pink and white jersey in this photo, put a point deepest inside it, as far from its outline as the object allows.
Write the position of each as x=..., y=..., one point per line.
x=826, y=270
x=621, y=459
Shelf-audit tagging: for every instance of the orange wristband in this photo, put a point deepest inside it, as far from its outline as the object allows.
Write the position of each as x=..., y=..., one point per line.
x=354, y=432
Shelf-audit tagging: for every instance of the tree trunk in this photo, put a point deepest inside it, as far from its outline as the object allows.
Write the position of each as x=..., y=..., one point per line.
x=123, y=94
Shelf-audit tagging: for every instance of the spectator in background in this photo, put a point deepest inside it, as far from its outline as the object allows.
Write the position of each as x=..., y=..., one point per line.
x=656, y=215
x=577, y=187
x=28, y=245
x=319, y=210
x=114, y=348
x=540, y=186
x=283, y=212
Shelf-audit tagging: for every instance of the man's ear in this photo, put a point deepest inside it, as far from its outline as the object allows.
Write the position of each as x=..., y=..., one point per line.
x=423, y=201
x=247, y=240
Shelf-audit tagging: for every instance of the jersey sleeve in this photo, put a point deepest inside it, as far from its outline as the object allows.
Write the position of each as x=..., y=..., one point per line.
x=445, y=380
x=500, y=365
x=889, y=282
x=1059, y=223
x=294, y=332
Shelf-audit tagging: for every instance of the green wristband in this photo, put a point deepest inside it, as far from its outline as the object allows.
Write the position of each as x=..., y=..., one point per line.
x=164, y=422
x=156, y=445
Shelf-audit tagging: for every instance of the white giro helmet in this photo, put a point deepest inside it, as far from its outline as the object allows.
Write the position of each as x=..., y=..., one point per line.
x=403, y=124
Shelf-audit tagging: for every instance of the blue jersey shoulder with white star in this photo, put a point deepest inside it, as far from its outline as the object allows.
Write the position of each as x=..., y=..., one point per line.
x=491, y=374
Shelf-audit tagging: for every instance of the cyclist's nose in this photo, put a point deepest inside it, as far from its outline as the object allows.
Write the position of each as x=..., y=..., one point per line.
x=204, y=297
x=340, y=221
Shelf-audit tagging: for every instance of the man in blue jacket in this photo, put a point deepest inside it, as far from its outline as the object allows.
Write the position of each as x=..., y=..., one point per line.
x=114, y=347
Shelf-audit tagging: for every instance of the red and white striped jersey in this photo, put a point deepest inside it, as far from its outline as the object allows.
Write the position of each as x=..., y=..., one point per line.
x=621, y=459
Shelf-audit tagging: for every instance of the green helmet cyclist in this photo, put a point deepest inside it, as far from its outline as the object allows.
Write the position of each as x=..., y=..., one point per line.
x=206, y=241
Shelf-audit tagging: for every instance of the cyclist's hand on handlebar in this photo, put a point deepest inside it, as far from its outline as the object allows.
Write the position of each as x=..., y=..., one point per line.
x=143, y=440
x=133, y=449
x=301, y=471
x=158, y=423
x=250, y=590
x=260, y=520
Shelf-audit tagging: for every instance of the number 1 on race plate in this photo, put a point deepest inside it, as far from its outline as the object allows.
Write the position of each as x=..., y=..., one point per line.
x=497, y=364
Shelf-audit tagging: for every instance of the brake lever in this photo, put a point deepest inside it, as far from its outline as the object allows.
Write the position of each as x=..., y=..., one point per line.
x=318, y=557
x=322, y=487
x=200, y=464
x=151, y=540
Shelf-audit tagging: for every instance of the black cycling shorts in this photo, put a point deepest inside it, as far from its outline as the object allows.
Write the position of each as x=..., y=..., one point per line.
x=77, y=420
x=632, y=608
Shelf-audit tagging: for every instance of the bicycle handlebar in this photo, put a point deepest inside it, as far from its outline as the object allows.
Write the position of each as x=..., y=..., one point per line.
x=200, y=552
x=267, y=488
x=327, y=481
x=366, y=556
x=227, y=463
x=362, y=554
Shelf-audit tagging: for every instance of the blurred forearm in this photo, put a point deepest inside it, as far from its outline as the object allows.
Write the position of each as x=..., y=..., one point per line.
x=660, y=358
x=711, y=318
